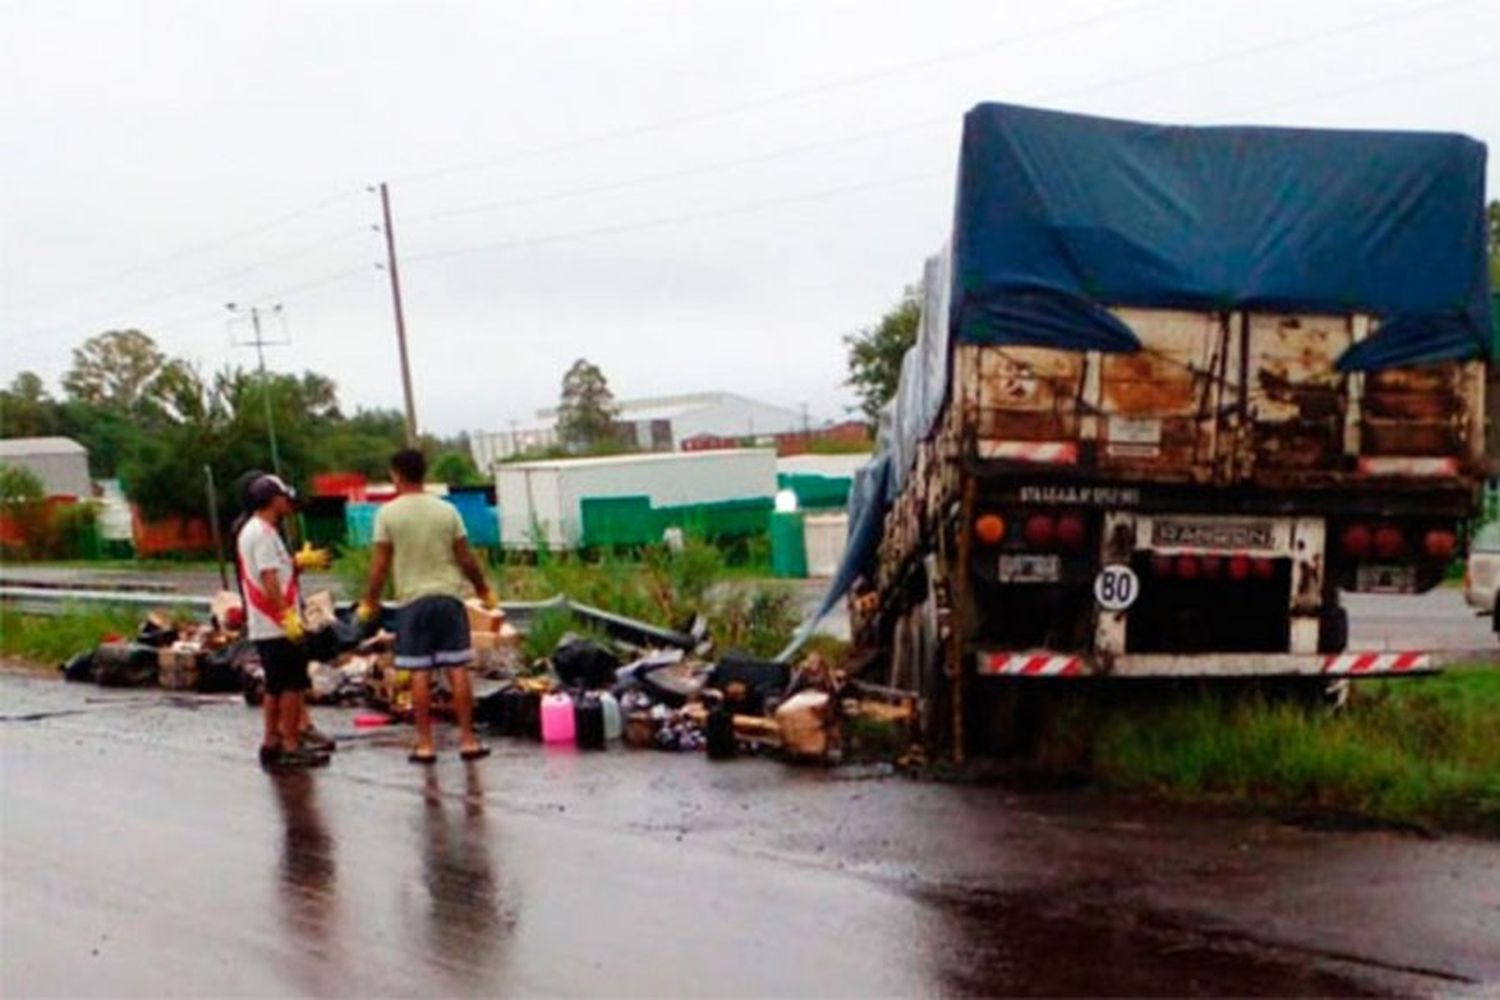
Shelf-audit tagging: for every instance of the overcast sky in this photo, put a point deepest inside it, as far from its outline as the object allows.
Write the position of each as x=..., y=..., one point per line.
x=695, y=195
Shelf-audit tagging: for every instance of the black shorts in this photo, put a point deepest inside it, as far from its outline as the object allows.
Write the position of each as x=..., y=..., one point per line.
x=433, y=632
x=285, y=665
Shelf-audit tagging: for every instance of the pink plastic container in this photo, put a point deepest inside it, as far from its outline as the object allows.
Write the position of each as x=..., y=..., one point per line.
x=557, y=719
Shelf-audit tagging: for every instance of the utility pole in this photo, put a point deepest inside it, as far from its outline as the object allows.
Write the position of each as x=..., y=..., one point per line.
x=260, y=344
x=390, y=266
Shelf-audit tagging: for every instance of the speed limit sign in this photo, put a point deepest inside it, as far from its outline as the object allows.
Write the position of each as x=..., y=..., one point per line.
x=1116, y=587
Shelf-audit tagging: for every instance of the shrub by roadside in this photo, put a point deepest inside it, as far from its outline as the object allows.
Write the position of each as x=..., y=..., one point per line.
x=1415, y=750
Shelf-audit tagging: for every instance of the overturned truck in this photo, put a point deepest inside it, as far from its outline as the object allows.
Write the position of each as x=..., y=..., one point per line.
x=1173, y=390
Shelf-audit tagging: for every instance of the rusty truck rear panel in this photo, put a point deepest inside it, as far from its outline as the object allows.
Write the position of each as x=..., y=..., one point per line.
x=1225, y=398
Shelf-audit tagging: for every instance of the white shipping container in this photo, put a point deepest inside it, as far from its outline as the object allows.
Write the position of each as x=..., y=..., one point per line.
x=547, y=497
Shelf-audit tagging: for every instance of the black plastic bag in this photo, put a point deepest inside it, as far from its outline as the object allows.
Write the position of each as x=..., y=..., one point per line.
x=583, y=663
x=125, y=664
x=80, y=667
x=761, y=680
x=222, y=670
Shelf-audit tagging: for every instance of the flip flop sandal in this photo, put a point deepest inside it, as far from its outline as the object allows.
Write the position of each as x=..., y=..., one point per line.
x=421, y=758
x=475, y=753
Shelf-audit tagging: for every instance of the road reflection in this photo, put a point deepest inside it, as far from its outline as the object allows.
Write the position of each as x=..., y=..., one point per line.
x=307, y=873
x=469, y=922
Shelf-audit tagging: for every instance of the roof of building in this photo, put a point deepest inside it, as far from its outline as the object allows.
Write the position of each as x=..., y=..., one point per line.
x=634, y=458
x=25, y=447
x=667, y=407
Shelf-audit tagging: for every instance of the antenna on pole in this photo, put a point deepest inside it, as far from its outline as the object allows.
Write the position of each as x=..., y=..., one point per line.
x=260, y=343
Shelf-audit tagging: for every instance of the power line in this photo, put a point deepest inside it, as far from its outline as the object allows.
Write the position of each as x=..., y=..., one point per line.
x=113, y=277
x=673, y=220
x=785, y=96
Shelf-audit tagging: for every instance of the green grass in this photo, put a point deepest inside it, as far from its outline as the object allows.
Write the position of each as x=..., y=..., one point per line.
x=52, y=639
x=1417, y=750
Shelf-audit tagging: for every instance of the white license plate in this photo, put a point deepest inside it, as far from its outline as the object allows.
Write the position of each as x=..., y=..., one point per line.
x=1030, y=569
x=1133, y=437
x=1376, y=579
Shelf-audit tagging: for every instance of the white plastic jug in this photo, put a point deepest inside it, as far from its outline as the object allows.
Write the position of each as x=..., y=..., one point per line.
x=614, y=721
x=557, y=718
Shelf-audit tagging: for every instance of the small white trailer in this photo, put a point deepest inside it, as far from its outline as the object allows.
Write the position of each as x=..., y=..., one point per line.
x=543, y=500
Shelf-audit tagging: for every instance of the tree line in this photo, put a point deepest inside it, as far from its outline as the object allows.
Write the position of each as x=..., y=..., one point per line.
x=155, y=421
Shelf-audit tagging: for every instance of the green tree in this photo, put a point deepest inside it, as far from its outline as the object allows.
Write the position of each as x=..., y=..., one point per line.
x=19, y=485
x=586, y=414
x=27, y=409
x=456, y=468
x=116, y=369
x=875, y=353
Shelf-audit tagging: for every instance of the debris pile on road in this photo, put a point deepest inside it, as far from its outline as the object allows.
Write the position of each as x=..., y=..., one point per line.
x=615, y=682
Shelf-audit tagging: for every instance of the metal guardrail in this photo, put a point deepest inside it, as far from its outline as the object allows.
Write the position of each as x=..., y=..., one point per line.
x=51, y=601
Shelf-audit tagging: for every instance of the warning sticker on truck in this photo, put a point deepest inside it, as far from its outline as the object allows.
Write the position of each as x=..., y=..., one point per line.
x=1134, y=437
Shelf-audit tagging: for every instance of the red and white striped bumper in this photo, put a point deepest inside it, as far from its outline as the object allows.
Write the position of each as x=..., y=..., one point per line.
x=1355, y=664
x=1045, y=663
x=1036, y=452
x=1030, y=665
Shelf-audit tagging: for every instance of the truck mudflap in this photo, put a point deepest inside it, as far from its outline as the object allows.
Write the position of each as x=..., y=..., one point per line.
x=1041, y=663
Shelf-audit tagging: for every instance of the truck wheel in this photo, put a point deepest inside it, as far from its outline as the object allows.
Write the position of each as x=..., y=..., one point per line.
x=1333, y=631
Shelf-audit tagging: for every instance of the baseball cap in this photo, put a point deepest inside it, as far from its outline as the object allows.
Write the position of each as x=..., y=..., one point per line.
x=268, y=488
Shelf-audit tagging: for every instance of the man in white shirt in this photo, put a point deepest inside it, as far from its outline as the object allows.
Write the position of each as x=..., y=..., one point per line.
x=273, y=618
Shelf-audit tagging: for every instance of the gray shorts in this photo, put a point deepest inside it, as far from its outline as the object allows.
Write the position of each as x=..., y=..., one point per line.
x=433, y=632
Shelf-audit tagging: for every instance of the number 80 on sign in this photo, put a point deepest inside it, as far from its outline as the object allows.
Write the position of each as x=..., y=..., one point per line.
x=1116, y=587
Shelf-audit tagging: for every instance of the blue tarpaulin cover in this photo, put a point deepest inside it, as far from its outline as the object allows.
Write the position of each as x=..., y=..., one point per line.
x=1060, y=215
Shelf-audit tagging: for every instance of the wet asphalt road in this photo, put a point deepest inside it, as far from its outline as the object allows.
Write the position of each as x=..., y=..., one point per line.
x=144, y=853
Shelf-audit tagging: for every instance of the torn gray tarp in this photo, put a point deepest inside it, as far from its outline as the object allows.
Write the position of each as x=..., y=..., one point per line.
x=867, y=507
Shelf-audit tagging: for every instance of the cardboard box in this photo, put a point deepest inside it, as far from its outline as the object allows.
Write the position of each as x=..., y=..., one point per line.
x=177, y=666
x=481, y=619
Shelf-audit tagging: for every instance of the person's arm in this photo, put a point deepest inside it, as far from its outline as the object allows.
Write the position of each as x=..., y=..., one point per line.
x=469, y=566
x=380, y=568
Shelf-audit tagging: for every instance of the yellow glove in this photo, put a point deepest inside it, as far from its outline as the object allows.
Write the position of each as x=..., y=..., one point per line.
x=489, y=600
x=308, y=558
x=367, y=612
x=291, y=624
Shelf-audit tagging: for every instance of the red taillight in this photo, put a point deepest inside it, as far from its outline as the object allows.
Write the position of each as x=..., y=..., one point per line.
x=1239, y=567
x=989, y=529
x=1440, y=544
x=1262, y=567
x=1356, y=540
x=1161, y=565
x=1389, y=542
x=1040, y=530
x=1071, y=531
x=1187, y=567
x=1213, y=567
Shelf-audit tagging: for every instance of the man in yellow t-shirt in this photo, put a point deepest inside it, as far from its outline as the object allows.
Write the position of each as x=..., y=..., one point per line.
x=420, y=542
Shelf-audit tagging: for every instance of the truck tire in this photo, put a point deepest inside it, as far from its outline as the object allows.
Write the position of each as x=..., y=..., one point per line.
x=1333, y=631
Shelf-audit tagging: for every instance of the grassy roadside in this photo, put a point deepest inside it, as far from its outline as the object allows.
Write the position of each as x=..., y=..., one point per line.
x=1418, y=750
x=47, y=640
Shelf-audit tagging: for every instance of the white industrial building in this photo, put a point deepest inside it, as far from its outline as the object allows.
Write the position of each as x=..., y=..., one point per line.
x=659, y=423
x=61, y=464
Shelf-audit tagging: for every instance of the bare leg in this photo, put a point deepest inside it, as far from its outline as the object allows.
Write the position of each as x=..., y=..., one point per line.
x=270, y=706
x=304, y=718
x=463, y=706
x=421, y=704
x=290, y=710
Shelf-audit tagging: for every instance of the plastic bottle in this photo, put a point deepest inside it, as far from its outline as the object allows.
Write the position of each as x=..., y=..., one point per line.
x=614, y=721
x=557, y=719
